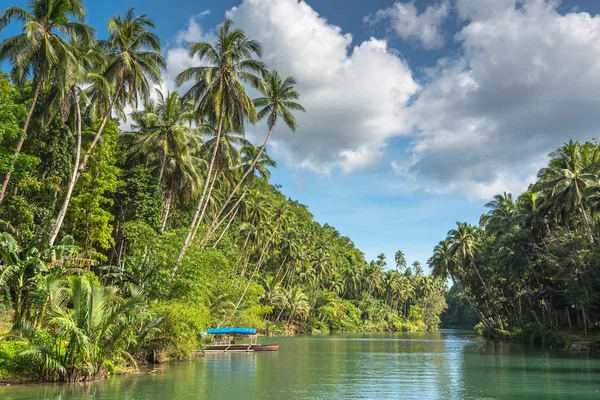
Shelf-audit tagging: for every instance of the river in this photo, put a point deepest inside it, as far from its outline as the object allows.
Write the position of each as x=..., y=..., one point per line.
x=439, y=365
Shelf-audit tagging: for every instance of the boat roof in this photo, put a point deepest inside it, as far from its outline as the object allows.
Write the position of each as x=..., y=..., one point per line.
x=226, y=331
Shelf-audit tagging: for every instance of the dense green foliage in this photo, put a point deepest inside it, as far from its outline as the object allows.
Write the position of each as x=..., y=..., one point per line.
x=121, y=246
x=532, y=266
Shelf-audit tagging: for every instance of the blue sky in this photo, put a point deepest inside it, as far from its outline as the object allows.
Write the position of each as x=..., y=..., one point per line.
x=418, y=111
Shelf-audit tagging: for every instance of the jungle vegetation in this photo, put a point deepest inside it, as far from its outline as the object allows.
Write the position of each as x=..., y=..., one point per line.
x=531, y=268
x=124, y=236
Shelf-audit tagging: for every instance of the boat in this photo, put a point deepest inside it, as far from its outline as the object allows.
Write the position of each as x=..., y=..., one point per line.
x=224, y=340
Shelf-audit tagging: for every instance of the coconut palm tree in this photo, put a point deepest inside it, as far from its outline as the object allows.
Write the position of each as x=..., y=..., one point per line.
x=220, y=95
x=170, y=144
x=132, y=59
x=257, y=164
x=297, y=304
x=42, y=50
x=571, y=171
x=501, y=215
x=278, y=102
x=67, y=96
x=400, y=260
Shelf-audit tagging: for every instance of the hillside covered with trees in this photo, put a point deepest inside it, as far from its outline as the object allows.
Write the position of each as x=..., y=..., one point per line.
x=124, y=236
x=531, y=268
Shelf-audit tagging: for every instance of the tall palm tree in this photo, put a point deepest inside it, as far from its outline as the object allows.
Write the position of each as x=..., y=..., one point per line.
x=68, y=95
x=501, y=214
x=278, y=102
x=257, y=163
x=41, y=50
x=132, y=58
x=170, y=143
x=571, y=171
x=400, y=260
x=164, y=129
x=220, y=95
x=444, y=265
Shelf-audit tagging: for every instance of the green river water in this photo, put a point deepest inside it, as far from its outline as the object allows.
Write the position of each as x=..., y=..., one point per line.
x=441, y=365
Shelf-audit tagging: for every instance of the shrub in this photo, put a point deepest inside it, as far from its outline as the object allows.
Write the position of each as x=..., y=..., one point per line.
x=11, y=364
x=182, y=323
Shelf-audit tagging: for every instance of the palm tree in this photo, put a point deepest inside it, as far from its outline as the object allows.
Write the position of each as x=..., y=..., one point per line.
x=91, y=324
x=297, y=304
x=41, y=50
x=501, y=214
x=444, y=265
x=257, y=163
x=400, y=260
x=68, y=96
x=278, y=102
x=220, y=95
x=22, y=268
x=132, y=58
x=417, y=268
x=166, y=138
x=571, y=171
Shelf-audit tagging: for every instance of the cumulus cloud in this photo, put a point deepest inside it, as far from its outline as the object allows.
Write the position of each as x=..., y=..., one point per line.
x=355, y=95
x=409, y=24
x=527, y=79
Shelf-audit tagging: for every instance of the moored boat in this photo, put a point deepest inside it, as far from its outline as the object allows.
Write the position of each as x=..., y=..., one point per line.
x=224, y=340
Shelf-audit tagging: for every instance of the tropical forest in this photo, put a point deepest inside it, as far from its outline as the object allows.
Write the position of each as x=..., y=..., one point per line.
x=141, y=217
x=125, y=234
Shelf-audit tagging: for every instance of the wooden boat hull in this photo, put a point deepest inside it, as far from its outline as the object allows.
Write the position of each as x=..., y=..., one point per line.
x=243, y=347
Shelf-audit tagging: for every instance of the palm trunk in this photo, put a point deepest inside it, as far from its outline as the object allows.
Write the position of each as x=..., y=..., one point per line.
x=224, y=230
x=82, y=165
x=168, y=206
x=586, y=221
x=243, y=178
x=206, y=204
x=258, y=264
x=479, y=314
x=36, y=95
x=65, y=206
x=196, y=220
x=235, y=206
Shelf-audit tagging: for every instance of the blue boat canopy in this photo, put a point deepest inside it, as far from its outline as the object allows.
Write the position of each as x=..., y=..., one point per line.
x=227, y=331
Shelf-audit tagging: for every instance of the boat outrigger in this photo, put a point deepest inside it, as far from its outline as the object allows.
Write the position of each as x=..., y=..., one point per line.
x=224, y=340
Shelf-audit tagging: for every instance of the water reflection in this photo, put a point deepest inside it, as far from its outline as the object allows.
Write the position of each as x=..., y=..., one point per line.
x=440, y=365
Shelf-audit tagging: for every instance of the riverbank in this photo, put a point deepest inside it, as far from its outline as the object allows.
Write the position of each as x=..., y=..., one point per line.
x=550, y=339
x=427, y=366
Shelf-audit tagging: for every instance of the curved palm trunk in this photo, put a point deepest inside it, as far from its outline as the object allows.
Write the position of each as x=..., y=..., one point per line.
x=225, y=230
x=197, y=219
x=260, y=261
x=234, y=208
x=586, y=222
x=36, y=95
x=63, y=211
x=477, y=311
x=243, y=178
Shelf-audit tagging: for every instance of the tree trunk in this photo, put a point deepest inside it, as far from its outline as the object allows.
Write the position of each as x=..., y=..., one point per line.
x=586, y=221
x=235, y=206
x=11, y=167
x=224, y=231
x=63, y=211
x=195, y=219
x=243, y=178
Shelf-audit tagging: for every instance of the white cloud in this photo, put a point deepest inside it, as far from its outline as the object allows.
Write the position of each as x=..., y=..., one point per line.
x=527, y=79
x=355, y=96
x=409, y=24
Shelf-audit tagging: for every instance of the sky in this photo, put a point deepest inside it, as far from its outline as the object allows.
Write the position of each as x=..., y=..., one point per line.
x=418, y=111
